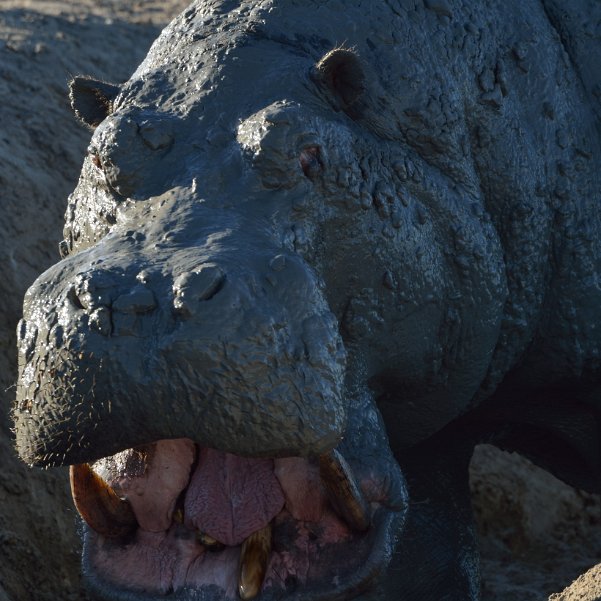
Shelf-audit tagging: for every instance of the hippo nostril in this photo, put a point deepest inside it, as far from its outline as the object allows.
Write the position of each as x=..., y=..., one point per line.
x=85, y=299
x=93, y=289
x=73, y=295
x=134, y=236
x=199, y=285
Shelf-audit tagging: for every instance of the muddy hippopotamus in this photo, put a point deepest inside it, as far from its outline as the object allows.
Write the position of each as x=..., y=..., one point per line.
x=317, y=252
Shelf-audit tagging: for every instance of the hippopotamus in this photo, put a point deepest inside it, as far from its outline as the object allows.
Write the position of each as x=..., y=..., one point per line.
x=318, y=251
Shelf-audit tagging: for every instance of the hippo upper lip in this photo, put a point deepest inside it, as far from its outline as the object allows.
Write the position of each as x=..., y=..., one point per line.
x=153, y=560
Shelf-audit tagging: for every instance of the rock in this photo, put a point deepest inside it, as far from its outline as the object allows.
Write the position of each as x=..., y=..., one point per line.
x=585, y=588
x=537, y=534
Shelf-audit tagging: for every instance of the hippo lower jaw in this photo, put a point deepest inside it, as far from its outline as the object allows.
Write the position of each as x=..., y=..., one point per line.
x=195, y=523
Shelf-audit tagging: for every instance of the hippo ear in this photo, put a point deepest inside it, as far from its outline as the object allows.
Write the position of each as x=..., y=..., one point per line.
x=341, y=73
x=92, y=100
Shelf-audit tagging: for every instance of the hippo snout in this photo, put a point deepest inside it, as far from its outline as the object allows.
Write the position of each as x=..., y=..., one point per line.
x=238, y=350
x=101, y=297
x=200, y=284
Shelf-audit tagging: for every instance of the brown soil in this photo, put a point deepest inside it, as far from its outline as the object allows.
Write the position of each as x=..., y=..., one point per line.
x=537, y=534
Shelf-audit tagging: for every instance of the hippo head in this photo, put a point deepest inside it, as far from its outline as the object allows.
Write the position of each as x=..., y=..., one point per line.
x=263, y=298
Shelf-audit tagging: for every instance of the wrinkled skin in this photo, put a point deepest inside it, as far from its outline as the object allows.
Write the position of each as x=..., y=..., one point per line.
x=392, y=250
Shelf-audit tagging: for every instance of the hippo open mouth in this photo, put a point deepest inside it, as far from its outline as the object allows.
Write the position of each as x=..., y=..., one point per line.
x=173, y=518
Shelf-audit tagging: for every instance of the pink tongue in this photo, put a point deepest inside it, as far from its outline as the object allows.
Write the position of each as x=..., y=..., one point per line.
x=231, y=497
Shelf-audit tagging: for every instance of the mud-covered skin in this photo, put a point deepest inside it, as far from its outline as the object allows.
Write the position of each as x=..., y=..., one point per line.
x=266, y=245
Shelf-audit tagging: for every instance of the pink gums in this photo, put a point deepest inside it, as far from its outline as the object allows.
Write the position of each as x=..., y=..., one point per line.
x=154, y=492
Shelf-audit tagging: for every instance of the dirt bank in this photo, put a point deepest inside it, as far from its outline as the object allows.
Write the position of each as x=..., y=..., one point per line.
x=42, y=44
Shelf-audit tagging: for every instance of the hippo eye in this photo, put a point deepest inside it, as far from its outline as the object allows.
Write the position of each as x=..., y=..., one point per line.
x=310, y=161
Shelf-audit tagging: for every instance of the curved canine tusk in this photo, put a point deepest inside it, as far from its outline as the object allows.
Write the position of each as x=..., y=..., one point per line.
x=342, y=490
x=99, y=505
x=254, y=558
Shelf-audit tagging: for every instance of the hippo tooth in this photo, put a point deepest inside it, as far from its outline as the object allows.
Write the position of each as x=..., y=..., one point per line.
x=342, y=490
x=209, y=542
x=99, y=505
x=254, y=558
x=178, y=516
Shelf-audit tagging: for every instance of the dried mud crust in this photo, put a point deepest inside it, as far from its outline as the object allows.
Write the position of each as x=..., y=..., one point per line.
x=537, y=534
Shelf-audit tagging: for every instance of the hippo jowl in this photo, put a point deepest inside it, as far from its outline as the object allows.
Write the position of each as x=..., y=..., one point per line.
x=318, y=250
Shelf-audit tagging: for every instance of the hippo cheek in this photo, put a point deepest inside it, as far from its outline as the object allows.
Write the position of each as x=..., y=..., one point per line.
x=273, y=389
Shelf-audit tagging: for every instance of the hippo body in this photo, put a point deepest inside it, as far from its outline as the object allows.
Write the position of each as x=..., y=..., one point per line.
x=317, y=252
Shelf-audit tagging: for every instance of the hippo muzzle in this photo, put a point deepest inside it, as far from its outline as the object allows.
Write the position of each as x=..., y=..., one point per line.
x=229, y=340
